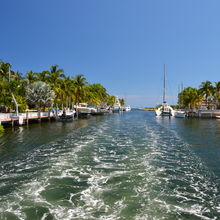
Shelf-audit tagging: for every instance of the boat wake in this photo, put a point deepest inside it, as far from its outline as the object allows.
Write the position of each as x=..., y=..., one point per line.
x=119, y=168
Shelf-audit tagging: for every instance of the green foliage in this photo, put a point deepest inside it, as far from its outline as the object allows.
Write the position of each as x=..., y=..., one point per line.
x=40, y=93
x=96, y=94
x=1, y=129
x=60, y=89
x=111, y=100
x=122, y=102
x=190, y=97
x=206, y=94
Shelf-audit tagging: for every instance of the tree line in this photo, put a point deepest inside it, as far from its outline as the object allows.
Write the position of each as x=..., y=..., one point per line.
x=48, y=88
x=207, y=94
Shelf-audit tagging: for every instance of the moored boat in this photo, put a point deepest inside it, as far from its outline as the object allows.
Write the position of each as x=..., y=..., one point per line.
x=66, y=115
x=164, y=109
x=179, y=114
x=128, y=108
x=117, y=106
x=84, y=109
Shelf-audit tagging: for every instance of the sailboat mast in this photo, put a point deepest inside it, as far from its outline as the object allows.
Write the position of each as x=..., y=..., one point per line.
x=164, y=85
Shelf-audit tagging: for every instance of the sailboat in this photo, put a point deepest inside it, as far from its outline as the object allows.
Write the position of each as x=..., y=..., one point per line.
x=165, y=109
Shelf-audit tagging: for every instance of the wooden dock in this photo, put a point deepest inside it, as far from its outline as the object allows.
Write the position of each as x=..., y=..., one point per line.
x=23, y=118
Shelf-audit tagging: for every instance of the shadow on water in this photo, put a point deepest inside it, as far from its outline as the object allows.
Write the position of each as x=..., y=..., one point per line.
x=18, y=140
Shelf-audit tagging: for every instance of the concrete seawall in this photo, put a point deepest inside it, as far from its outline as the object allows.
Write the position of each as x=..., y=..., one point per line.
x=203, y=113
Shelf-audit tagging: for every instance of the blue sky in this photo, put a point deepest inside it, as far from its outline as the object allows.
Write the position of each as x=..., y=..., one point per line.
x=122, y=44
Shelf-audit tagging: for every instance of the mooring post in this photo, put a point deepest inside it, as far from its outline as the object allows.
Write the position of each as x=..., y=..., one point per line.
x=49, y=114
x=56, y=113
x=77, y=113
x=20, y=120
x=27, y=120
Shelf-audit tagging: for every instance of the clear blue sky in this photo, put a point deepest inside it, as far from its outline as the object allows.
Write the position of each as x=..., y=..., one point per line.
x=122, y=44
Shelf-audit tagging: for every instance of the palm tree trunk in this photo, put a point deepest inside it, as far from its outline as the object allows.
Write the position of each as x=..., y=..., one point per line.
x=16, y=104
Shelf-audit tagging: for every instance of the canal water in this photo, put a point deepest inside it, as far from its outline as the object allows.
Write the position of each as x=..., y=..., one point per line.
x=121, y=166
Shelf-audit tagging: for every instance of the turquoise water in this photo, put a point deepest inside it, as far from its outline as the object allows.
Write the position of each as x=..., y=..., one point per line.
x=121, y=166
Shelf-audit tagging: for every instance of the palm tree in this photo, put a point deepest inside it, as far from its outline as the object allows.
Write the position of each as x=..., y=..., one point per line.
x=54, y=74
x=217, y=93
x=63, y=91
x=207, y=90
x=4, y=70
x=190, y=97
x=111, y=100
x=30, y=77
x=43, y=76
x=79, y=88
x=96, y=94
x=122, y=102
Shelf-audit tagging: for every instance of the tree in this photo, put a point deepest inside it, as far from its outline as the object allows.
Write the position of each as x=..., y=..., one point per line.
x=80, y=85
x=4, y=71
x=40, y=94
x=190, y=97
x=111, y=100
x=54, y=74
x=30, y=77
x=96, y=94
x=207, y=90
x=122, y=102
x=217, y=93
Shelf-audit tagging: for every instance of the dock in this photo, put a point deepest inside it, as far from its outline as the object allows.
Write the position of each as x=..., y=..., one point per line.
x=202, y=113
x=24, y=118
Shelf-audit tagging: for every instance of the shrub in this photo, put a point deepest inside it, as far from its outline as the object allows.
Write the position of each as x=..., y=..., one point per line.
x=1, y=129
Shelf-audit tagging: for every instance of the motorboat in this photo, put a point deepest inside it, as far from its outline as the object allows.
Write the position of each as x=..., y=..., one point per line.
x=128, y=108
x=179, y=114
x=84, y=109
x=66, y=115
x=117, y=106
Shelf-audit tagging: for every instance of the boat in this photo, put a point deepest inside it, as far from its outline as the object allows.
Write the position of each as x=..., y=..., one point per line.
x=117, y=106
x=100, y=111
x=128, y=108
x=84, y=109
x=66, y=115
x=179, y=114
x=164, y=109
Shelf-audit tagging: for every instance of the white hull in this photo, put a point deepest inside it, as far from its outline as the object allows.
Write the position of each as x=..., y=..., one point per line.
x=67, y=115
x=180, y=114
x=127, y=108
x=165, y=110
x=84, y=109
x=116, y=109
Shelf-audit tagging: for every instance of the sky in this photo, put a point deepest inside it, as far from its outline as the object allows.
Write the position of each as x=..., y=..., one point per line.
x=122, y=44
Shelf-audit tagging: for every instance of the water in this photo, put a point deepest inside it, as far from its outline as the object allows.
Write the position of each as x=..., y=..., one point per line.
x=122, y=166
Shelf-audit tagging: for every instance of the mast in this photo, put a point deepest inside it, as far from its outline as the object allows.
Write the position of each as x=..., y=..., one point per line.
x=164, y=85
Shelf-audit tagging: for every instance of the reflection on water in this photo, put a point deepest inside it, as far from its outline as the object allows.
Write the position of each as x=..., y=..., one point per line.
x=121, y=166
